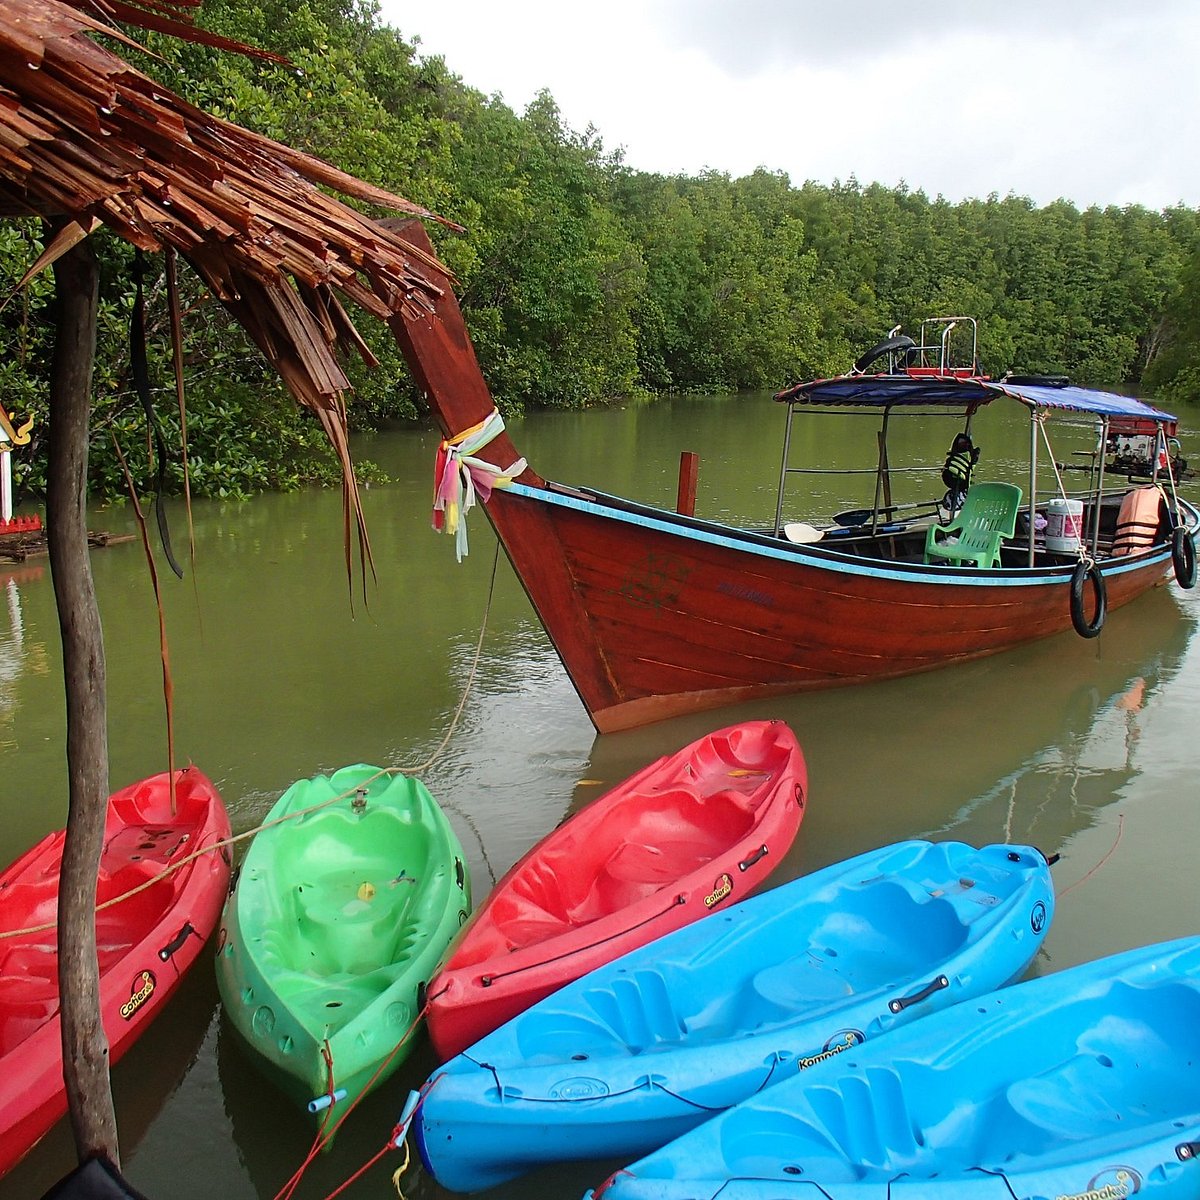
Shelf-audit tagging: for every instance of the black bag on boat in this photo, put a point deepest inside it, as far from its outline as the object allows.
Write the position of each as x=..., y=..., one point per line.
x=96, y=1179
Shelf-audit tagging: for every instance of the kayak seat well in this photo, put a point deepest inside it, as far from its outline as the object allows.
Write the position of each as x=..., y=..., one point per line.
x=351, y=923
x=347, y=883
x=307, y=988
x=28, y=989
x=126, y=920
x=671, y=836
x=1121, y=1074
x=658, y=840
x=149, y=849
x=896, y=937
x=28, y=971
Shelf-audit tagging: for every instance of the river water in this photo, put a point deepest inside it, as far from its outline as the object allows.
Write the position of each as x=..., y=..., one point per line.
x=1084, y=748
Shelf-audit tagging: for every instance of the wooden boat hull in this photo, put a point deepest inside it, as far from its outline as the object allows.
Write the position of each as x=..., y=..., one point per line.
x=145, y=943
x=656, y=615
x=1078, y=1084
x=339, y=918
x=687, y=835
x=647, y=1047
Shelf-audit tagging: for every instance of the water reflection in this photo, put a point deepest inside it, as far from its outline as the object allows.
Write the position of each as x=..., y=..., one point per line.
x=12, y=657
x=146, y=1083
x=16, y=657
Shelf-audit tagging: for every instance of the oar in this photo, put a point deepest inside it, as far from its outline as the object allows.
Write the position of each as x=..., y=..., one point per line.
x=860, y=516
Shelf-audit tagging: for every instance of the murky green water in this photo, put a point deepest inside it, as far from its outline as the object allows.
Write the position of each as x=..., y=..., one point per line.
x=1088, y=749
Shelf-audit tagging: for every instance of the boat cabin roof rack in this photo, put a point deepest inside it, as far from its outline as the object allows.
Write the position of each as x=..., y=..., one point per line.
x=948, y=346
x=940, y=374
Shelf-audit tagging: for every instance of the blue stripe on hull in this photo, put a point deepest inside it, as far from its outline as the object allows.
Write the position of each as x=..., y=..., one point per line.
x=760, y=545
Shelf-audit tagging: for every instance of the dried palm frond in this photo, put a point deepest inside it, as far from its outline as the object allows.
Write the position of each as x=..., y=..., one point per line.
x=86, y=137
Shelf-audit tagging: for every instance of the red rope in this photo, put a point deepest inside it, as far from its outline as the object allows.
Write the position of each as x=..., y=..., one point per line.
x=323, y=1138
x=289, y=1188
x=361, y=1171
x=399, y=1132
x=1093, y=870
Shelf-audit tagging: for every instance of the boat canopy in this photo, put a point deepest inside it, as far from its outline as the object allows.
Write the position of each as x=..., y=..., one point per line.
x=919, y=389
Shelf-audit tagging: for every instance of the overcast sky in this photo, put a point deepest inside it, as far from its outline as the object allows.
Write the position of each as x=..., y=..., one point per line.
x=1097, y=101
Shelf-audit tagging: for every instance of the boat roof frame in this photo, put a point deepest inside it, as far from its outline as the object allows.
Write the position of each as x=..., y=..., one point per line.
x=917, y=387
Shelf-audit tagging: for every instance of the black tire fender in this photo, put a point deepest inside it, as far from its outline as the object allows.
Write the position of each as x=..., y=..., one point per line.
x=887, y=346
x=1183, y=556
x=1084, y=571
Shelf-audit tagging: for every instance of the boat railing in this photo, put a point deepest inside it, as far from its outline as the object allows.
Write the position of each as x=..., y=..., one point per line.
x=940, y=352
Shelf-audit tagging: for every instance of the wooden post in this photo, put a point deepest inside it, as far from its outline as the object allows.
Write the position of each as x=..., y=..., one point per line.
x=84, y=1043
x=689, y=470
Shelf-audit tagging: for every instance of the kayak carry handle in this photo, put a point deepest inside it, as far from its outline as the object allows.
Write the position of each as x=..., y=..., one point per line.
x=758, y=854
x=176, y=942
x=934, y=985
x=1186, y=1151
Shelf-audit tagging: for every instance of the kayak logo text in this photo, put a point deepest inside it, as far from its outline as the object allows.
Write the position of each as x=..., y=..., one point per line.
x=140, y=991
x=844, y=1039
x=721, y=889
x=1116, y=1183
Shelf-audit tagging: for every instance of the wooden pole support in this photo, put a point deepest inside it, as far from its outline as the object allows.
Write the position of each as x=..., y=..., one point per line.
x=689, y=469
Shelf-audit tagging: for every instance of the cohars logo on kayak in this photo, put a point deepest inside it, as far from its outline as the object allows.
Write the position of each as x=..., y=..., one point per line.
x=721, y=889
x=140, y=991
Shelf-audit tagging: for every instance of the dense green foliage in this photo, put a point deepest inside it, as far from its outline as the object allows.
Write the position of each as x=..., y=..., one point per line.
x=584, y=281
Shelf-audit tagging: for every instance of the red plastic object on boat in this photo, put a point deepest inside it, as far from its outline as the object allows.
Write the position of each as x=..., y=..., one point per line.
x=683, y=837
x=145, y=942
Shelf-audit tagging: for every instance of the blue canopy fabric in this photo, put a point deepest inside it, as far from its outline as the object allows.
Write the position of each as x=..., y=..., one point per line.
x=906, y=391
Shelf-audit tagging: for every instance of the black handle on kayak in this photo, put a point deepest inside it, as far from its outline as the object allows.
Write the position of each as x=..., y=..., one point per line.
x=1048, y=859
x=747, y=863
x=1186, y=1151
x=934, y=985
x=177, y=941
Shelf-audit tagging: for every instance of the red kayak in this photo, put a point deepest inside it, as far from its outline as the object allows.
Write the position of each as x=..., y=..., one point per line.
x=145, y=943
x=686, y=835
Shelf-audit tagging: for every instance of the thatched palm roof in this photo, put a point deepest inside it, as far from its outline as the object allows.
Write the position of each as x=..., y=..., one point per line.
x=87, y=138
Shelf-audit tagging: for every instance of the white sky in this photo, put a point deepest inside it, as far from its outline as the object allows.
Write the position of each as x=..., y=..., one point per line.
x=1097, y=101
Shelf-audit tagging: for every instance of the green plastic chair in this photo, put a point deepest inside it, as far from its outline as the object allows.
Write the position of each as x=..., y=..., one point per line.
x=987, y=517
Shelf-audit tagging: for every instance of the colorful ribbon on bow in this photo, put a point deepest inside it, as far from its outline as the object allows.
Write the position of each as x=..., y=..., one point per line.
x=459, y=477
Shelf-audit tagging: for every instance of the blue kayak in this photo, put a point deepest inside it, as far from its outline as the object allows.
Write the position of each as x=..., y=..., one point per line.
x=645, y=1048
x=1084, y=1085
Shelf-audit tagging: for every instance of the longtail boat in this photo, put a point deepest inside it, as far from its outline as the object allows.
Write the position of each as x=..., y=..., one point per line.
x=656, y=613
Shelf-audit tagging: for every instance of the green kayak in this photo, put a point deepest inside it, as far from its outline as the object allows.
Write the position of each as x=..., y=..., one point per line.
x=338, y=919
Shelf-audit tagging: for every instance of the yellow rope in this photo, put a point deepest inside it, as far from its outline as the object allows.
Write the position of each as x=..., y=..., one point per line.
x=303, y=812
x=396, y=1174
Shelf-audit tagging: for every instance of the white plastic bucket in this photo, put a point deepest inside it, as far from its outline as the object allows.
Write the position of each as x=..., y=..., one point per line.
x=1064, y=525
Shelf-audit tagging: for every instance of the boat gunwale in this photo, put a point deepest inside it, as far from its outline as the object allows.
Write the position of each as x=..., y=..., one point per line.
x=605, y=506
